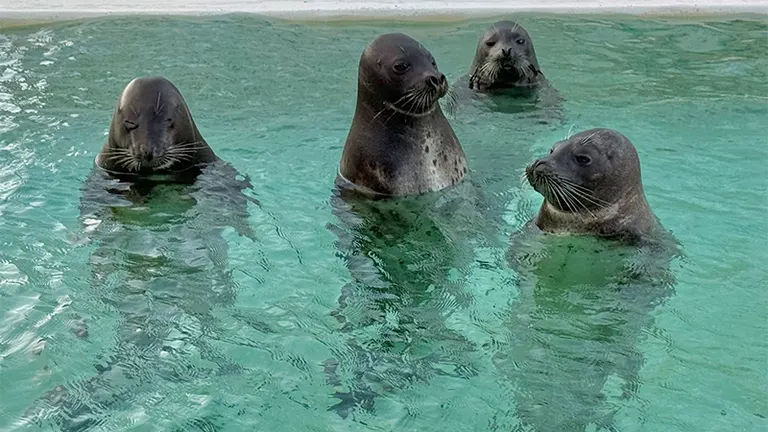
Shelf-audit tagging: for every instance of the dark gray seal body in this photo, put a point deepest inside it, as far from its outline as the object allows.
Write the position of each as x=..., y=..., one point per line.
x=152, y=133
x=592, y=184
x=505, y=59
x=400, y=143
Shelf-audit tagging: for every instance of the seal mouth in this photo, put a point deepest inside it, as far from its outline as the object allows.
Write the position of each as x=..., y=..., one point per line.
x=563, y=194
x=514, y=70
x=179, y=155
x=507, y=63
x=418, y=101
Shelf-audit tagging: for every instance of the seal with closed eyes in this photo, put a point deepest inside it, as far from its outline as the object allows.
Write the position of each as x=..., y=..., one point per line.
x=152, y=133
x=400, y=143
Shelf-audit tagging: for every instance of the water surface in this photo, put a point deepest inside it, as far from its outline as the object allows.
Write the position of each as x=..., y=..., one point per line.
x=282, y=333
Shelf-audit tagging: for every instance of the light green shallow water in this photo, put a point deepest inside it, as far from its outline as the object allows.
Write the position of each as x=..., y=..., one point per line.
x=276, y=100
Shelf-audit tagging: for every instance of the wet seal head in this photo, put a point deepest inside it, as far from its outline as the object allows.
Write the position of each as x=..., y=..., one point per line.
x=397, y=73
x=505, y=58
x=400, y=142
x=591, y=184
x=152, y=132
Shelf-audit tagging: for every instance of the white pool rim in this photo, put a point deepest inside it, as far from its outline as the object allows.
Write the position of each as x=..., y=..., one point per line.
x=308, y=9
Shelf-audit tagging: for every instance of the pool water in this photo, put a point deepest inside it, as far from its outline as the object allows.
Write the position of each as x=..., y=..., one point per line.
x=191, y=326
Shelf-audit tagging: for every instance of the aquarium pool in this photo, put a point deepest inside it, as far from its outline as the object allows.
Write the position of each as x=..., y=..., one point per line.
x=275, y=99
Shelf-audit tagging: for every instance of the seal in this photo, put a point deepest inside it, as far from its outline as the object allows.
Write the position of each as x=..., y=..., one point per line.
x=505, y=59
x=152, y=133
x=399, y=142
x=590, y=268
x=591, y=184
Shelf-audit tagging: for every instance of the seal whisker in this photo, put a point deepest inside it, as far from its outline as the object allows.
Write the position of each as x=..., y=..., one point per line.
x=585, y=193
x=555, y=191
x=194, y=144
x=573, y=201
x=181, y=150
x=524, y=177
x=570, y=200
x=570, y=130
x=586, y=140
x=580, y=195
x=393, y=106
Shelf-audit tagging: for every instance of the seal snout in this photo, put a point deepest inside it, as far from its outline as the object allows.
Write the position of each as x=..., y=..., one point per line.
x=535, y=171
x=151, y=155
x=437, y=82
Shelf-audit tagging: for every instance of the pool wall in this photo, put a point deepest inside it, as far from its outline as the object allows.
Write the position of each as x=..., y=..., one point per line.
x=46, y=10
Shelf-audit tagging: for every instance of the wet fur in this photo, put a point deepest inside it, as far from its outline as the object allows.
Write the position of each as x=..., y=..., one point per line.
x=605, y=198
x=399, y=143
x=152, y=132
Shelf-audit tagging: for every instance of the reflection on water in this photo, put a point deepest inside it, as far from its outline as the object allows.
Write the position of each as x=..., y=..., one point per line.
x=408, y=259
x=160, y=264
x=583, y=304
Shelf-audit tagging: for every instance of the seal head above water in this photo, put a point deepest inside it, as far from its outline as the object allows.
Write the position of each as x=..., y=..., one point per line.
x=400, y=143
x=592, y=184
x=505, y=59
x=152, y=132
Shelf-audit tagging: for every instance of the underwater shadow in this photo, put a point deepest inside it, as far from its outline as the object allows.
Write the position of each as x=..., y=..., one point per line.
x=408, y=259
x=584, y=303
x=160, y=265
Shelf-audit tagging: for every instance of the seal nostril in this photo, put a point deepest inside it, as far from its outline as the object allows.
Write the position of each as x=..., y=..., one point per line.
x=443, y=80
x=433, y=81
x=506, y=52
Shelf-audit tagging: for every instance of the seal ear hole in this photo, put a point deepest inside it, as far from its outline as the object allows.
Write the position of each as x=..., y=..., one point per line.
x=583, y=160
x=520, y=41
x=129, y=125
x=401, y=67
x=169, y=122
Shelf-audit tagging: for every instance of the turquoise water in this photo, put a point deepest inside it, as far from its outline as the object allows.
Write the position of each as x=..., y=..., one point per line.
x=194, y=328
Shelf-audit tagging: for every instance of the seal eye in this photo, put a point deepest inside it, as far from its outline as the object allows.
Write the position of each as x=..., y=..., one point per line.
x=583, y=160
x=169, y=122
x=520, y=41
x=490, y=43
x=401, y=67
x=129, y=125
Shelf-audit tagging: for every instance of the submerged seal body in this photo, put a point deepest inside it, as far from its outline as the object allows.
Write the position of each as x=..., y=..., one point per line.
x=400, y=143
x=152, y=133
x=592, y=184
x=505, y=59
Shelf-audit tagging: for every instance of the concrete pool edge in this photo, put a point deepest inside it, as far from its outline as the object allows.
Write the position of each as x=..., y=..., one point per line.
x=30, y=11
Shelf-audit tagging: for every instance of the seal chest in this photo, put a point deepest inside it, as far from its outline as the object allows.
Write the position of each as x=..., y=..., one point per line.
x=400, y=142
